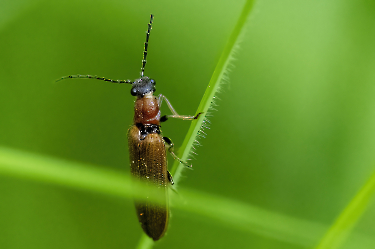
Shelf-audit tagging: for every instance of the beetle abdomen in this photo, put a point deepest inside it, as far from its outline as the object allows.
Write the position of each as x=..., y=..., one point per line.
x=148, y=162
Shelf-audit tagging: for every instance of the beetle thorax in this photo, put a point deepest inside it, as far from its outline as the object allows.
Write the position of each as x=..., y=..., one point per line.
x=146, y=110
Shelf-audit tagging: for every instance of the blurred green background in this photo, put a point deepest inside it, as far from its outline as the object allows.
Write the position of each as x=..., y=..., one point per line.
x=294, y=132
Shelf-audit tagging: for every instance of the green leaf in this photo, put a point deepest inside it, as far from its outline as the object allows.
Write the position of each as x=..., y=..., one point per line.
x=219, y=77
x=341, y=229
x=239, y=216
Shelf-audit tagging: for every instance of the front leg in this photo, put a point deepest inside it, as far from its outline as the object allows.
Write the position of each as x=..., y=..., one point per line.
x=174, y=113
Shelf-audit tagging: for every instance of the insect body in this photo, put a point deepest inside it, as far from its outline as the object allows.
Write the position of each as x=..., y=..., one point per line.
x=148, y=160
x=147, y=147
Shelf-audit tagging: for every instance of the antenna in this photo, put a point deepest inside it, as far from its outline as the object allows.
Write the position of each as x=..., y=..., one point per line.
x=93, y=77
x=146, y=45
x=118, y=81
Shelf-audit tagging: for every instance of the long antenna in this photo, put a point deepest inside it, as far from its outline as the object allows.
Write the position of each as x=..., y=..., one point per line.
x=118, y=81
x=146, y=45
x=93, y=77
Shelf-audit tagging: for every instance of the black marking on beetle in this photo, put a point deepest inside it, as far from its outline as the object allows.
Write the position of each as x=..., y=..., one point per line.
x=146, y=129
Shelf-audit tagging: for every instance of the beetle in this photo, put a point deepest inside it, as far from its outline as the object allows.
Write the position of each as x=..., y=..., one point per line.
x=147, y=147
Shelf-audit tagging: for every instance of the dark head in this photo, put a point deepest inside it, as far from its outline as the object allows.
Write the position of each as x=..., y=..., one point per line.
x=142, y=86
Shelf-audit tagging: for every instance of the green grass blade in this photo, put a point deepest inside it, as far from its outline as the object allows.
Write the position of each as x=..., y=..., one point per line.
x=341, y=228
x=247, y=219
x=212, y=89
x=74, y=175
x=30, y=166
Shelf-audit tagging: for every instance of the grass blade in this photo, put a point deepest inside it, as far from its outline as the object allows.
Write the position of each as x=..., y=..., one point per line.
x=214, y=85
x=341, y=228
x=247, y=219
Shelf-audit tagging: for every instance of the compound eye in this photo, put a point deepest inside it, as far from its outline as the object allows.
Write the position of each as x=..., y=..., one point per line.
x=133, y=92
x=153, y=82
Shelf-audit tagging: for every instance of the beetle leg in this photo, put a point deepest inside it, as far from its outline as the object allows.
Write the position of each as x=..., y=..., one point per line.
x=170, y=178
x=171, y=181
x=174, y=113
x=168, y=142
